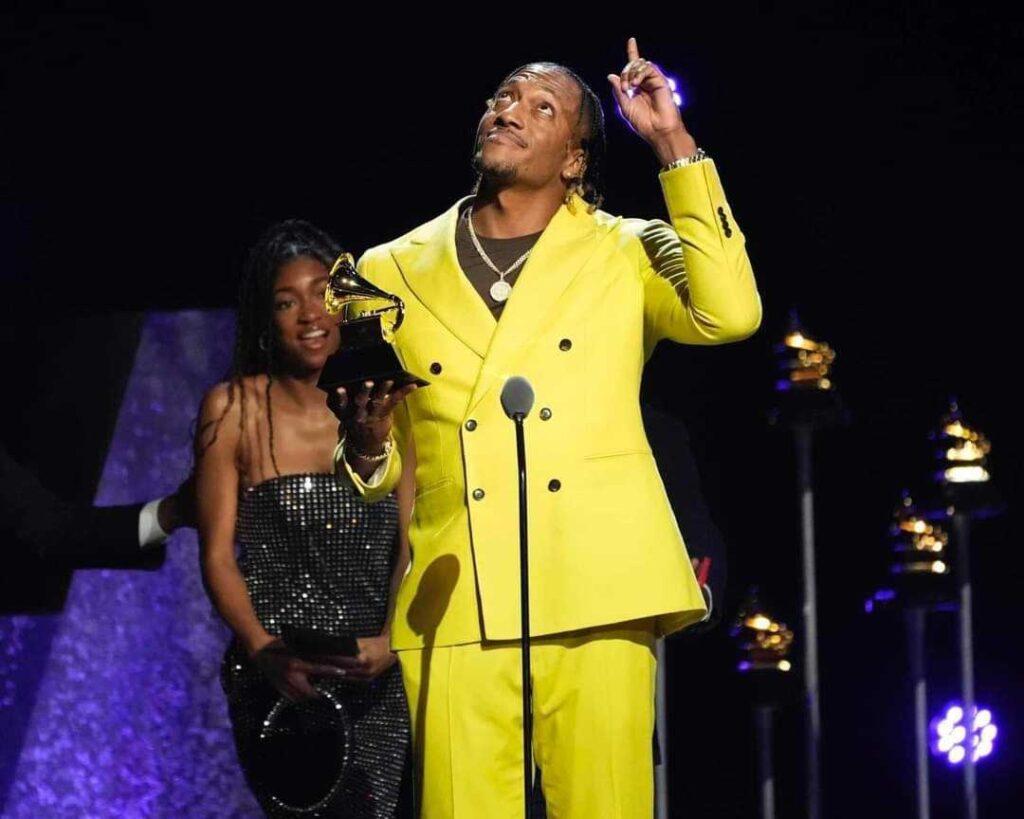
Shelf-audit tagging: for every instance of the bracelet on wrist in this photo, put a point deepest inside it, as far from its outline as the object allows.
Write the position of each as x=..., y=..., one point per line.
x=683, y=161
x=375, y=458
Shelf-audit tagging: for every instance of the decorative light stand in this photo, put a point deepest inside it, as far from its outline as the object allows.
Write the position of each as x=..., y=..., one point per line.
x=764, y=645
x=920, y=582
x=964, y=481
x=805, y=402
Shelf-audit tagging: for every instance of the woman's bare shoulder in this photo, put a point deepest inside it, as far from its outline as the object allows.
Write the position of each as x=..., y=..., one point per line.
x=229, y=406
x=227, y=397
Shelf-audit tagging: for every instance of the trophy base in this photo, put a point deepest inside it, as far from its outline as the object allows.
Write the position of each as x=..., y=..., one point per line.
x=350, y=368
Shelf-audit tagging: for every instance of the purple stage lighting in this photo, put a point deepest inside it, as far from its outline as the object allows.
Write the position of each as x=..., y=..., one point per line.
x=677, y=94
x=949, y=734
x=880, y=597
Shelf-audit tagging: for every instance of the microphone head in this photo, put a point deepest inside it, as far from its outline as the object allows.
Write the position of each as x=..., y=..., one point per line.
x=517, y=397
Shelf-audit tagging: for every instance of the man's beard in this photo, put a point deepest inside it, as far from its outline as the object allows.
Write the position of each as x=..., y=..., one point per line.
x=494, y=174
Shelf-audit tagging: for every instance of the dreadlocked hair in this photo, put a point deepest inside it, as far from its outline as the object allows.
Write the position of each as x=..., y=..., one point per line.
x=256, y=346
x=589, y=128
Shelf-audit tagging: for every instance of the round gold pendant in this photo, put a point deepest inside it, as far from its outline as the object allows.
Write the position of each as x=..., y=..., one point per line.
x=501, y=290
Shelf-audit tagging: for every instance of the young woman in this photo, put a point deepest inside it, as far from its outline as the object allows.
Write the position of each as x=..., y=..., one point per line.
x=323, y=733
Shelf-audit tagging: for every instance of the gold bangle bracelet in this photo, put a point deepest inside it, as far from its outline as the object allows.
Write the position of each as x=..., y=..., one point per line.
x=388, y=445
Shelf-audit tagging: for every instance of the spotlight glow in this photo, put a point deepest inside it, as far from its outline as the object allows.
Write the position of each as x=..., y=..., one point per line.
x=882, y=596
x=677, y=94
x=912, y=534
x=673, y=84
x=963, y=453
x=805, y=364
x=760, y=622
x=763, y=643
x=965, y=474
x=949, y=734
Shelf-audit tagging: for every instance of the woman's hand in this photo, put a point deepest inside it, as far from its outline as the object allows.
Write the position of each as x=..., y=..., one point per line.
x=374, y=658
x=289, y=673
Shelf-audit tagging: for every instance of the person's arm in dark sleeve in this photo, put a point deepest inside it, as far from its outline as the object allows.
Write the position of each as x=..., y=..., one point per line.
x=670, y=443
x=73, y=535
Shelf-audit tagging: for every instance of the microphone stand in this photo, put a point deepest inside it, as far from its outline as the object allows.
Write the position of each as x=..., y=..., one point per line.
x=516, y=401
x=812, y=695
x=524, y=607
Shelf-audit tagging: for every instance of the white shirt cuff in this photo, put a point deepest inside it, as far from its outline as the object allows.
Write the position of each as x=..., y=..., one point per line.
x=150, y=531
x=378, y=474
x=709, y=601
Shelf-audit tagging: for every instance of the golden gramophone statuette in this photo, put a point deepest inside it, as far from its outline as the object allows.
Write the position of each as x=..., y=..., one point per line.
x=367, y=320
x=764, y=643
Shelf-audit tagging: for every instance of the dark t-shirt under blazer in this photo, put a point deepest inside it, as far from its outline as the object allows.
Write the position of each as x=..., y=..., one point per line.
x=502, y=252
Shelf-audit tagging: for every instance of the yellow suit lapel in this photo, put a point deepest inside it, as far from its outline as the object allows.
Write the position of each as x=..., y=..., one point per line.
x=431, y=269
x=562, y=250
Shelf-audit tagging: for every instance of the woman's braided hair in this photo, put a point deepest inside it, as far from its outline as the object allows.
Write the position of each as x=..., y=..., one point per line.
x=256, y=345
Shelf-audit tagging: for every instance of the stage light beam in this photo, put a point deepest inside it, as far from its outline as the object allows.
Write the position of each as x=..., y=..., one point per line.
x=950, y=740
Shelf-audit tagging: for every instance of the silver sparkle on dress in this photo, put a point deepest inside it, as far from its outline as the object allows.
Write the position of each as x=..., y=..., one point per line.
x=314, y=554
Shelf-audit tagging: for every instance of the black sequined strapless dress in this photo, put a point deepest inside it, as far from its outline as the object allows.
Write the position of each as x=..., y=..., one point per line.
x=315, y=555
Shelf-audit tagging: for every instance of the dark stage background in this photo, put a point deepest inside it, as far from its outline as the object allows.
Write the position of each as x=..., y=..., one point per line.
x=872, y=158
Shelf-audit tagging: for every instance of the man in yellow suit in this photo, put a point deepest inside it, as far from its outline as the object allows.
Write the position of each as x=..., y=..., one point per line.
x=527, y=277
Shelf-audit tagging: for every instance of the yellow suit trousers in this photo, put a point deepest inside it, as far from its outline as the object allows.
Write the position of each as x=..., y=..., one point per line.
x=593, y=714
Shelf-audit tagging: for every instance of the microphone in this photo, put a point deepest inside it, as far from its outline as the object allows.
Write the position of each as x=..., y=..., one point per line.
x=517, y=398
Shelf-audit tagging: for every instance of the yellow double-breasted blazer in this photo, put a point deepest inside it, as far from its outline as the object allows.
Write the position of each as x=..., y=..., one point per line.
x=595, y=296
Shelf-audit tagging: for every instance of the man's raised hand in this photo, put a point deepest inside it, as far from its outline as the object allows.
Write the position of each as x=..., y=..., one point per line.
x=645, y=99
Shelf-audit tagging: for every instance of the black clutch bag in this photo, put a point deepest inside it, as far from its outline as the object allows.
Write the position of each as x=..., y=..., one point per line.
x=303, y=753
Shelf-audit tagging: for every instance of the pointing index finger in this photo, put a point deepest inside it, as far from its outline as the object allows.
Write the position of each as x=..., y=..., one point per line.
x=632, y=52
